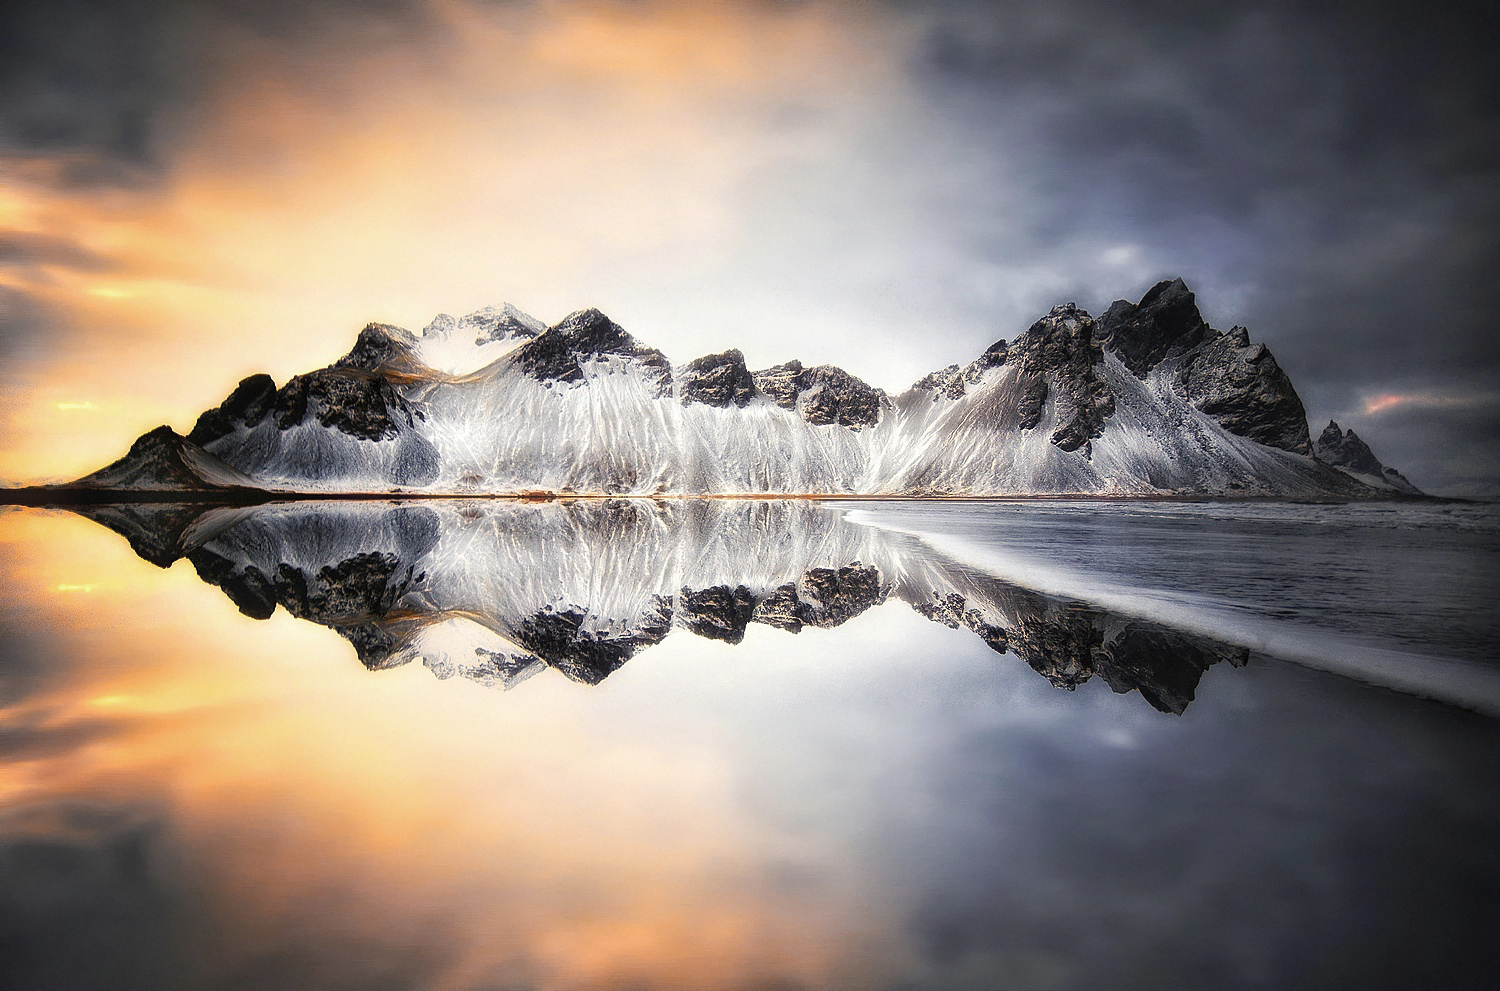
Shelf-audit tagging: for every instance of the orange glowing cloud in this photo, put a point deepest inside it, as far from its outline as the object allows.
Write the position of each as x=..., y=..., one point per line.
x=556, y=155
x=1394, y=400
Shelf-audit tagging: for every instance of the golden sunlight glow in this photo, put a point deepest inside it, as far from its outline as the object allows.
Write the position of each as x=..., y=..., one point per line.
x=546, y=155
x=555, y=833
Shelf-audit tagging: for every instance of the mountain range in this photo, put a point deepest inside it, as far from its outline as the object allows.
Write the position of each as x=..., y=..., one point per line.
x=1146, y=399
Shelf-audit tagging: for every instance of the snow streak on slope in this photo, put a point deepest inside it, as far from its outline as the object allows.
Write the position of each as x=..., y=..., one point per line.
x=494, y=403
x=1155, y=442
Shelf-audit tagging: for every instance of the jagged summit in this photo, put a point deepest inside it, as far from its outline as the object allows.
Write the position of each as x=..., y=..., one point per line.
x=486, y=326
x=717, y=380
x=822, y=395
x=1165, y=321
x=382, y=347
x=1344, y=449
x=1146, y=400
x=559, y=353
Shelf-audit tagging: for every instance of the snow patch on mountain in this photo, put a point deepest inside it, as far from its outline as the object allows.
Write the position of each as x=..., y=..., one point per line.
x=1148, y=400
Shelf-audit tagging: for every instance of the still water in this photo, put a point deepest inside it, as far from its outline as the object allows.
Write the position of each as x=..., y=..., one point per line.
x=749, y=745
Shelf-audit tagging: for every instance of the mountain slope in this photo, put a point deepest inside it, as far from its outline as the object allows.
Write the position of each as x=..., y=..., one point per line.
x=1146, y=400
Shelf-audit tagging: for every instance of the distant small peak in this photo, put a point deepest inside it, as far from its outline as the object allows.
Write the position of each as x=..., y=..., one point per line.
x=505, y=322
x=441, y=326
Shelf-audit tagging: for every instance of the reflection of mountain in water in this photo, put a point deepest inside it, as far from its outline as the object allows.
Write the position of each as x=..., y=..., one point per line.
x=496, y=591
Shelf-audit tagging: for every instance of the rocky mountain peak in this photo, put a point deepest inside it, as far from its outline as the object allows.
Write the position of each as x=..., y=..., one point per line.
x=1166, y=320
x=824, y=394
x=247, y=405
x=163, y=460
x=499, y=324
x=1345, y=449
x=380, y=346
x=716, y=380
x=557, y=354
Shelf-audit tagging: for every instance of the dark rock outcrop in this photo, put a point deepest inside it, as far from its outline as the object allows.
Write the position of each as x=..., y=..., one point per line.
x=1344, y=449
x=824, y=598
x=1164, y=665
x=246, y=406
x=156, y=531
x=783, y=383
x=1237, y=383
x=360, y=404
x=718, y=613
x=1240, y=385
x=1165, y=321
x=556, y=354
x=1057, y=356
x=831, y=596
x=716, y=380
x=558, y=637
x=823, y=394
x=381, y=347
x=1068, y=643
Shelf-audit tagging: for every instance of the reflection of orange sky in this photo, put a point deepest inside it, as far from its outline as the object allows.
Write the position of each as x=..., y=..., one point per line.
x=553, y=834
x=541, y=155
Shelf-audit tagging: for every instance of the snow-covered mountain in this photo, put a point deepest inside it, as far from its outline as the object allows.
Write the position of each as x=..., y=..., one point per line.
x=499, y=590
x=1145, y=400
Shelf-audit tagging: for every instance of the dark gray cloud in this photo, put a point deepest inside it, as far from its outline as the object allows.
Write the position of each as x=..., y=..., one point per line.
x=100, y=87
x=1328, y=175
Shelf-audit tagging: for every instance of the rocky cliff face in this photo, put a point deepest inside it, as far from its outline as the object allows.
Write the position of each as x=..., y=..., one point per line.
x=1058, y=353
x=1236, y=382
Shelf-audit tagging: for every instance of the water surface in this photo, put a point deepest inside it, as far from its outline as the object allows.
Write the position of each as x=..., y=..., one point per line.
x=748, y=745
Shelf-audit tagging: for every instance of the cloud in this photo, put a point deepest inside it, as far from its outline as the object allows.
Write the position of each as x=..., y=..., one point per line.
x=887, y=187
x=1323, y=175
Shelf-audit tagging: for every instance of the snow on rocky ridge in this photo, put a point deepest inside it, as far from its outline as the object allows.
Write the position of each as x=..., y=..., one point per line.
x=1147, y=399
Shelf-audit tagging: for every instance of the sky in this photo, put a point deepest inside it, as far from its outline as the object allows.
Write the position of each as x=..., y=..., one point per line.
x=191, y=192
